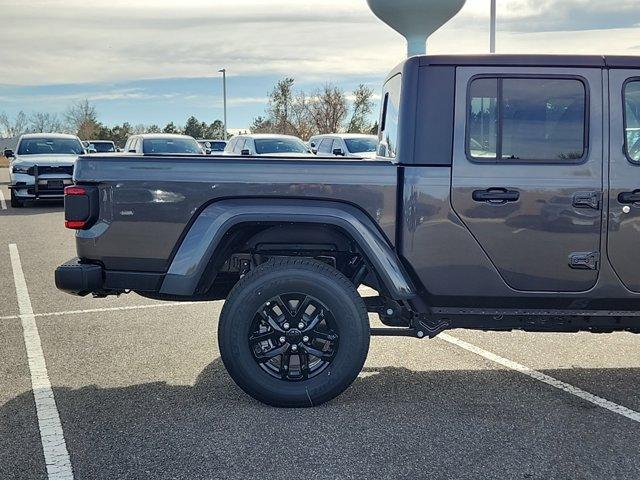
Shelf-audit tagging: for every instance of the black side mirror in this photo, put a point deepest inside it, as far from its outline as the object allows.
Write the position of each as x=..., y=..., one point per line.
x=132, y=150
x=338, y=152
x=245, y=152
x=207, y=151
x=8, y=153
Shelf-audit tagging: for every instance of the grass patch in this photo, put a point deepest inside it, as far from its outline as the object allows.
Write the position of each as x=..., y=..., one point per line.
x=4, y=162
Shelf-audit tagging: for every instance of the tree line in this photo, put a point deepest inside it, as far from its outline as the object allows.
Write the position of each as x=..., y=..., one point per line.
x=81, y=119
x=325, y=110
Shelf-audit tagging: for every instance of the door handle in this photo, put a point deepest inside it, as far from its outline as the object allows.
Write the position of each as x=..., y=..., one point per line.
x=496, y=195
x=629, y=197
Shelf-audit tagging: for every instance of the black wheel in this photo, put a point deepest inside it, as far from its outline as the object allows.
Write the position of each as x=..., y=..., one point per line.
x=294, y=333
x=15, y=201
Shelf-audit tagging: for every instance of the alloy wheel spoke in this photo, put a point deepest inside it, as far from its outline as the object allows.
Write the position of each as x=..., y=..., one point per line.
x=274, y=352
x=285, y=366
x=304, y=365
x=285, y=307
x=261, y=337
x=329, y=336
x=316, y=320
x=318, y=353
x=270, y=321
x=301, y=308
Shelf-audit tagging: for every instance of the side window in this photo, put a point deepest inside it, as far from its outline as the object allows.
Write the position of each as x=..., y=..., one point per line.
x=237, y=148
x=337, y=144
x=527, y=120
x=325, y=146
x=388, y=145
x=632, y=120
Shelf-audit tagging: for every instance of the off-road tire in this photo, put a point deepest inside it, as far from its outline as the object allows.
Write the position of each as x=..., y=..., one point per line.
x=280, y=277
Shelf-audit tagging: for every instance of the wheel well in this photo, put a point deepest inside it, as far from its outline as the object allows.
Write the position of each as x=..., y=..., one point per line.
x=248, y=245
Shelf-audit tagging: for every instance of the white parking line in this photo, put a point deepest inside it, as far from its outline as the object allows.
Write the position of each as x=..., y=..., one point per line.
x=599, y=401
x=106, y=309
x=116, y=309
x=56, y=455
x=3, y=204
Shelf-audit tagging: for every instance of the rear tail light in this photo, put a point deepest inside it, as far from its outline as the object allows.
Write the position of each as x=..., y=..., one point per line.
x=80, y=206
x=75, y=190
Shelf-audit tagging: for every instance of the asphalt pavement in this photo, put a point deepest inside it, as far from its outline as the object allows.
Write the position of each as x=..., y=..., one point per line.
x=141, y=393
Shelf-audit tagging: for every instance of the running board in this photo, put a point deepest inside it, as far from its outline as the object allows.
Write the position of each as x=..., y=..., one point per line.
x=397, y=332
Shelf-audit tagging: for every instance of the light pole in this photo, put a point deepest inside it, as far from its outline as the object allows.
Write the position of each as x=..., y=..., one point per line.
x=224, y=95
x=492, y=34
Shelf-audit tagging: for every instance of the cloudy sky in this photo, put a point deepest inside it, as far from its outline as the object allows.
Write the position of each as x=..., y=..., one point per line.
x=155, y=61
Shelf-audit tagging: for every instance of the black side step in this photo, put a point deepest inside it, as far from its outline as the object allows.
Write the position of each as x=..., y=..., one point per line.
x=397, y=332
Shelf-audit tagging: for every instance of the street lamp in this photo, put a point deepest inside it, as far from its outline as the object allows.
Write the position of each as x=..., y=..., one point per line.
x=492, y=35
x=224, y=94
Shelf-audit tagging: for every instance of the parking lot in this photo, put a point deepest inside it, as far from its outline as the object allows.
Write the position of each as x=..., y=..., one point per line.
x=141, y=393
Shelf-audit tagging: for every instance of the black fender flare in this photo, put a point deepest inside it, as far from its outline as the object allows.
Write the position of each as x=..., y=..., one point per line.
x=214, y=221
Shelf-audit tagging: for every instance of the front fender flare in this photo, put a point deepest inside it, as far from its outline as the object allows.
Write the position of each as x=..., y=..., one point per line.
x=212, y=224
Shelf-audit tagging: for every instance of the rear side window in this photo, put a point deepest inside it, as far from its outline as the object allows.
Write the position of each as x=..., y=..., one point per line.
x=632, y=120
x=527, y=120
x=390, y=118
x=325, y=145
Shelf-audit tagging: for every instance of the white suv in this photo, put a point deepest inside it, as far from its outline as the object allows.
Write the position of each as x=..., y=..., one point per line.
x=345, y=145
x=42, y=166
x=267, y=144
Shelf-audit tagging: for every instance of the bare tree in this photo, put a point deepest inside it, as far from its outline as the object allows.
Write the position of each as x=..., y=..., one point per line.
x=83, y=119
x=361, y=110
x=41, y=122
x=300, y=119
x=139, y=129
x=15, y=127
x=328, y=108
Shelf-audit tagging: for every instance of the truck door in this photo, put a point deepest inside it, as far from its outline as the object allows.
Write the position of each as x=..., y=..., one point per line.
x=624, y=176
x=527, y=172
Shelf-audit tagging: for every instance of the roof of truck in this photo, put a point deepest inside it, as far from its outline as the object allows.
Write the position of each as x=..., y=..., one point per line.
x=598, y=61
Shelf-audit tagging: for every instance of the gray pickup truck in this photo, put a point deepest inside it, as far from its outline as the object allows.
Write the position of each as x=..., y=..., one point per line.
x=505, y=195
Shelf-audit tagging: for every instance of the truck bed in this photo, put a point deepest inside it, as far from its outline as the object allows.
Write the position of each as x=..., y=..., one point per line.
x=146, y=203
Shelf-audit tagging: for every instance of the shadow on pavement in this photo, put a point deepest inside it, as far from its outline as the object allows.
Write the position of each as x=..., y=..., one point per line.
x=393, y=423
x=34, y=208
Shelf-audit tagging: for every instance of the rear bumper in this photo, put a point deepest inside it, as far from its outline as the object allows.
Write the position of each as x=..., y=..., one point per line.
x=79, y=278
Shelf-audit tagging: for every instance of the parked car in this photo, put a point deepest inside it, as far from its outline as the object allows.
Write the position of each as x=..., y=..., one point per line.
x=101, y=146
x=267, y=144
x=213, y=146
x=499, y=204
x=42, y=166
x=162, y=143
x=345, y=145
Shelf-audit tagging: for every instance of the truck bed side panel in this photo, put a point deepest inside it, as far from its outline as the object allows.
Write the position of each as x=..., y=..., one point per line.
x=147, y=203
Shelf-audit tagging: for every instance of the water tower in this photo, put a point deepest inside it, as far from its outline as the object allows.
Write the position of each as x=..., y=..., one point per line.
x=416, y=20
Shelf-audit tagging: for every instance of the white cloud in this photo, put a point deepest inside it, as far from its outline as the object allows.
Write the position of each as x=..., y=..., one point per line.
x=75, y=41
